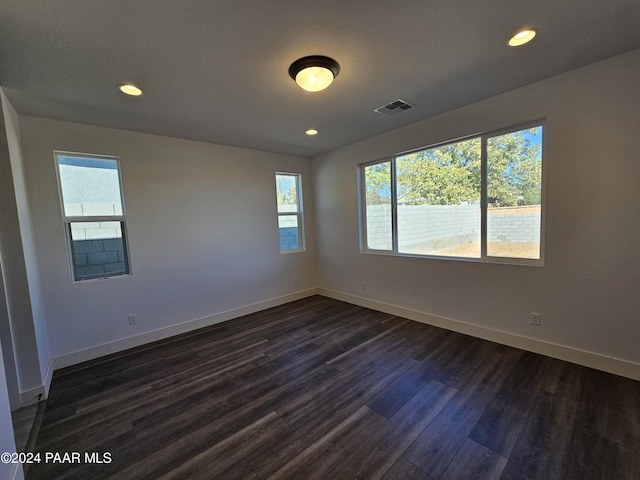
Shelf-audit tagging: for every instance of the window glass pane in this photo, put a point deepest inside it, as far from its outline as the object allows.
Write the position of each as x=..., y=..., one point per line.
x=514, y=192
x=287, y=193
x=98, y=249
x=377, y=180
x=289, y=204
x=90, y=186
x=289, y=232
x=439, y=200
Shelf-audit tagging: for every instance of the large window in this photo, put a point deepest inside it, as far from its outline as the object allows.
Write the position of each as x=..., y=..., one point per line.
x=478, y=198
x=93, y=214
x=290, y=221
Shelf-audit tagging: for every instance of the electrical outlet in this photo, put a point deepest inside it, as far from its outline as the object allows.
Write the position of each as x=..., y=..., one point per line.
x=295, y=282
x=535, y=319
x=364, y=285
x=133, y=319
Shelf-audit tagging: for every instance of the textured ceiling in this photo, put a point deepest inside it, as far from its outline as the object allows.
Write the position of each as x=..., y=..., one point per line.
x=216, y=71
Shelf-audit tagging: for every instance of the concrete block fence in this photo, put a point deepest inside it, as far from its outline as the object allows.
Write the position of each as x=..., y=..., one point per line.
x=439, y=227
x=289, y=238
x=289, y=232
x=99, y=256
x=513, y=225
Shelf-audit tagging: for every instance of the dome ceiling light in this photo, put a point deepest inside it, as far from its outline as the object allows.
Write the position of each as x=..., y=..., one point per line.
x=314, y=73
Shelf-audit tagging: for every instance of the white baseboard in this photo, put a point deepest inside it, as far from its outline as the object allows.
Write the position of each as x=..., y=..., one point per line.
x=33, y=395
x=613, y=365
x=166, y=332
x=48, y=376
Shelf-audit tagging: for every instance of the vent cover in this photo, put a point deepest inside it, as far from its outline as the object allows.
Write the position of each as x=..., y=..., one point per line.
x=395, y=107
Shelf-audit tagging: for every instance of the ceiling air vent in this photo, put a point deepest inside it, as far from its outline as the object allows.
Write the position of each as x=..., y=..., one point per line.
x=395, y=107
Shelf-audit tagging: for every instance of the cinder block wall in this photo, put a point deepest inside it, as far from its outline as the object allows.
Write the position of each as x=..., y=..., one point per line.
x=450, y=225
x=99, y=256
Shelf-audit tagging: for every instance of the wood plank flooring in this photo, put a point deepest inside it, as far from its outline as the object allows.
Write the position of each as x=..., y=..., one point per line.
x=23, y=420
x=320, y=389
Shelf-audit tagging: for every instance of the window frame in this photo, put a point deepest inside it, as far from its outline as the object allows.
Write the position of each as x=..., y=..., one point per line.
x=69, y=220
x=484, y=257
x=299, y=214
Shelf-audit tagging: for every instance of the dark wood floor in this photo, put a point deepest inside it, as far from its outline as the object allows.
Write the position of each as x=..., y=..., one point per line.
x=320, y=389
x=23, y=420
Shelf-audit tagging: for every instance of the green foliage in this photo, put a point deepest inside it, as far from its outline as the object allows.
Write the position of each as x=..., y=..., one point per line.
x=378, y=183
x=286, y=190
x=451, y=174
x=447, y=175
x=514, y=173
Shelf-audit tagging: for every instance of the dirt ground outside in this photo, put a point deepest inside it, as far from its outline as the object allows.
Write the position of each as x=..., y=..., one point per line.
x=494, y=249
x=529, y=209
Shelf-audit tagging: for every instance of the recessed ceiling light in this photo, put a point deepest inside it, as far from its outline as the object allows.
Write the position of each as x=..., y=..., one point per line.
x=130, y=89
x=314, y=73
x=522, y=37
x=311, y=132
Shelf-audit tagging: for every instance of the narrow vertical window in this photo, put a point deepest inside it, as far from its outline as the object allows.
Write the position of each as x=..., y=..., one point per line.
x=290, y=221
x=93, y=214
x=514, y=194
x=378, y=215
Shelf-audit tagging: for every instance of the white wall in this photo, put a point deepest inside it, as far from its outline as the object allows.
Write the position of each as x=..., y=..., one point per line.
x=25, y=308
x=221, y=252
x=7, y=441
x=588, y=292
x=10, y=301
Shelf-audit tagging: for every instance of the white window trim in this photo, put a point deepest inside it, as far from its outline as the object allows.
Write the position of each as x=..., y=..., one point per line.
x=68, y=220
x=484, y=258
x=299, y=214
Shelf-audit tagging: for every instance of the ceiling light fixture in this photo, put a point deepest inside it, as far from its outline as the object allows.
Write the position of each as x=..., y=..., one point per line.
x=311, y=132
x=523, y=36
x=130, y=89
x=314, y=73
